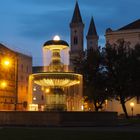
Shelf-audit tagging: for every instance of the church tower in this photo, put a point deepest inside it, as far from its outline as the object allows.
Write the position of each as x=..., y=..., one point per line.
x=92, y=37
x=76, y=33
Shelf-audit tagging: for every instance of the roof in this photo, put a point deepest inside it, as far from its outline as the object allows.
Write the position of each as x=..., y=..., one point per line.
x=54, y=42
x=92, y=28
x=76, y=15
x=131, y=26
x=14, y=51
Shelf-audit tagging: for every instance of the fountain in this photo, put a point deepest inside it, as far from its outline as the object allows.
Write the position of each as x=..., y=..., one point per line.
x=55, y=88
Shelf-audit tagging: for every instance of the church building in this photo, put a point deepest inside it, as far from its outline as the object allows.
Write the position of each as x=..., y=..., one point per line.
x=77, y=36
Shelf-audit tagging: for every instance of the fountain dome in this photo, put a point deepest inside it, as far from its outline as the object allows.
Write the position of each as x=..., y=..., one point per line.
x=56, y=42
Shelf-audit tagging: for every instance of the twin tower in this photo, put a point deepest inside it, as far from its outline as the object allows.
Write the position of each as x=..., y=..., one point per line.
x=77, y=35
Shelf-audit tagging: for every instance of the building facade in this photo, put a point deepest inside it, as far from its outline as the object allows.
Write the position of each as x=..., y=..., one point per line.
x=129, y=33
x=24, y=70
x=14, y=72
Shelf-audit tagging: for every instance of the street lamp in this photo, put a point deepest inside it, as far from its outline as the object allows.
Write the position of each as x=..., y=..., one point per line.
x=132, y=107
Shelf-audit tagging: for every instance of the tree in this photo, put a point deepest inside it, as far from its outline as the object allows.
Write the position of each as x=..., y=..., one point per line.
x=94, y=77
x=135, y=70
x=120, y=63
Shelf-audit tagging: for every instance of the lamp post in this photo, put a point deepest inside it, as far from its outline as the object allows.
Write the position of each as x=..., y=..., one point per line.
x=16, y=82
x=132, y=108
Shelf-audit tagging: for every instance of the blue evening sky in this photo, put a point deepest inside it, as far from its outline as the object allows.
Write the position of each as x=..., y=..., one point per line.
x=26, y=24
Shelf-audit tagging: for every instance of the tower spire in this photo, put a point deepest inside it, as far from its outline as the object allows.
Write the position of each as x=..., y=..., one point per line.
x=92, y=36
x=76, y=18
x=76, y=36
x=92, y=29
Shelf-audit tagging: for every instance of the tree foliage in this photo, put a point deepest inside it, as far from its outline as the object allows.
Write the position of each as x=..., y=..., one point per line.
x=113, y=72
x=123, y=65
x=94, y=77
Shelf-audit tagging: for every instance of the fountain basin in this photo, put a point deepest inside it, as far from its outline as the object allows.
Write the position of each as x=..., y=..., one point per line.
x=60, y=91
x=59, y=79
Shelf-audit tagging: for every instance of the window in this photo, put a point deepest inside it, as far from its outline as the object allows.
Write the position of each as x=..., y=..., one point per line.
x=75, y=31
x=21, y=88
x=26, y=79
x=26, y=89
x=91, y=42
x=22, y=67
x=21, y=78
x=42, y=97
x=27, y=69
x=75, y=40
x=139, y=36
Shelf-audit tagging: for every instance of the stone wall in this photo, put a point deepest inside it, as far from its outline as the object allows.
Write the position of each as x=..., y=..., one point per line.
x=28, y=118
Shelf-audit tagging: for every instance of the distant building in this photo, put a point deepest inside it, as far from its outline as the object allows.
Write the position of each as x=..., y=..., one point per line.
x=15, y=70
x=130, y=33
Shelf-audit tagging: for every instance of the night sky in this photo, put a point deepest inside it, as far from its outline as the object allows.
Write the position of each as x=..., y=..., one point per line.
x=26, y=24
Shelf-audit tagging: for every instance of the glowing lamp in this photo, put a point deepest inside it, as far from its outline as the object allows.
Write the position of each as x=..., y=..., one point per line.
x=6, y=62
x=3, y=84
x=34, y=98
x=47, y=90
x=56, y=38
x=132, y=104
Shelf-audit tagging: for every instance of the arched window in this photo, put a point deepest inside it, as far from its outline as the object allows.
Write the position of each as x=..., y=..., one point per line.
x=75, y=40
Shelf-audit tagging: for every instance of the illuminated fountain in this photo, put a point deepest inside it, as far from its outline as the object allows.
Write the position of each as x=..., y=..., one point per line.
x=55, y=88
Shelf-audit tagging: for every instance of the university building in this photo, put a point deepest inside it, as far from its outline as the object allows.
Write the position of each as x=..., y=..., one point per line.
x=129, y=33
x=14, y=72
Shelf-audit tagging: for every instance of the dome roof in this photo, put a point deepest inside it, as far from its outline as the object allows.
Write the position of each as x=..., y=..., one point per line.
x=54, y=42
